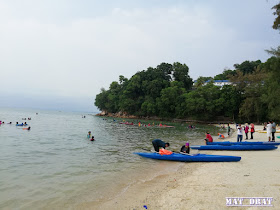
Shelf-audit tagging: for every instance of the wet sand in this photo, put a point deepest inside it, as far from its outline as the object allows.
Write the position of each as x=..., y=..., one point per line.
x=206, y=185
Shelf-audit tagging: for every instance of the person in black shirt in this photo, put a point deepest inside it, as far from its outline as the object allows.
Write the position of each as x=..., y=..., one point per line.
x=157, y=143
x=185, y=148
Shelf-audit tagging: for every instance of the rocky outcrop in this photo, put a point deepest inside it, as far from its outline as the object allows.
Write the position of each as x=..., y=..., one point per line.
x=117, y=115
x=125, y=115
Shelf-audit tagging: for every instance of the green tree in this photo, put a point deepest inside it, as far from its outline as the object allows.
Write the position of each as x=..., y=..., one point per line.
x=168, y=100
x=201, y=80
x=253, y=108
x=101, y=100
x=203, y=103
x=181, y=74
x=232, y=100
x=276, y=24
x=272, y=85
x=247, y=67
x=227, y=73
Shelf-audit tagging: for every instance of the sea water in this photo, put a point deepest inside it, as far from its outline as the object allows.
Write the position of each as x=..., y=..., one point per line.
x=55, y=165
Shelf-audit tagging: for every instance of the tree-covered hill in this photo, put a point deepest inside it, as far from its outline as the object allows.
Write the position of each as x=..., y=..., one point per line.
x=167, y=91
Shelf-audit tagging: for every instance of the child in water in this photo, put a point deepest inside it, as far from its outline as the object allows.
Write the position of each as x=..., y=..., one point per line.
x=92, y=138
x=89, y=135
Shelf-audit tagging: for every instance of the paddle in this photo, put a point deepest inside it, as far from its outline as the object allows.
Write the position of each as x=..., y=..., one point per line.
x=148, y=150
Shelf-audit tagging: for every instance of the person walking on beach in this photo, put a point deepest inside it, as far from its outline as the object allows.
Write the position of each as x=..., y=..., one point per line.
x=208, y=138
x=269, y=130
x=246, y=130
x=157, y=143
x=228, y=129
x=239, y=133
x=252, y=130
x=273, y=130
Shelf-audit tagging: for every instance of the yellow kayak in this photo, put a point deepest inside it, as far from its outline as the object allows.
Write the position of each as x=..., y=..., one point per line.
x=266, y=132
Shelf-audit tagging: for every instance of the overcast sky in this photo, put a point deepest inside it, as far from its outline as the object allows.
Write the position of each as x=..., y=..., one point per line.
x=58, y=54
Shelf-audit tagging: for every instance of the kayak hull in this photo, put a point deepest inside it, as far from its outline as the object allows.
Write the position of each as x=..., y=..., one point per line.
x=191, y=158
x=243, y=143
x=235, y=147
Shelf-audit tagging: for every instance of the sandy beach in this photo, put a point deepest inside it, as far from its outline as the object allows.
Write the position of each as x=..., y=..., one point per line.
x=206, y=185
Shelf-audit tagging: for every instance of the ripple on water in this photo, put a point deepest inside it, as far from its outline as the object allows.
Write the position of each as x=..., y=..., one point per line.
x=55, y=165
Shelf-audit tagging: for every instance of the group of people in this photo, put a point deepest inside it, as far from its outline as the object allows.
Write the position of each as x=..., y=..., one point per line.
x=157, y=143
x=2, y=122
x=270, y=128
x=22, y=124
x=246, y=130
x=191, y=126
x=89, y=136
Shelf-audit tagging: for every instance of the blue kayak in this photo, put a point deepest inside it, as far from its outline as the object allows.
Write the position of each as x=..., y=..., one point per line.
x=21, y=124
x=243, y=143
x=235, y=147
x=191, y=158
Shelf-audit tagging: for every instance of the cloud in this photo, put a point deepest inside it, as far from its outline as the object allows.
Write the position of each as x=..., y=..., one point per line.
x=43, y=53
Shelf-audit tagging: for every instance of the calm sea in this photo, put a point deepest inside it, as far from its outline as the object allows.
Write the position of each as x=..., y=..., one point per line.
x=54, y=165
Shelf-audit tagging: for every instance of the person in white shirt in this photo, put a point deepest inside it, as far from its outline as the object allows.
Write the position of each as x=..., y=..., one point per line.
x=269, y=130
x=239, y=133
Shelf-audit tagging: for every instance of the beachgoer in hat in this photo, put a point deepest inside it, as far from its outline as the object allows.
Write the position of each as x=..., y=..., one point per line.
x=185, y=148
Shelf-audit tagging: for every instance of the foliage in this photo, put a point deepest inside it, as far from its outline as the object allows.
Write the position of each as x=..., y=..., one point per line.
x=276, y=24
x=201, y=80
x=203, y=103
x=167, y=91
x=247, y=67
x=227, y=73
x=272, y=87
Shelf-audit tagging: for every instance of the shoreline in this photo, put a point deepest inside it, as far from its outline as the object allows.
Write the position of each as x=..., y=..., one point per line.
x=206, y=185
x=126, y=116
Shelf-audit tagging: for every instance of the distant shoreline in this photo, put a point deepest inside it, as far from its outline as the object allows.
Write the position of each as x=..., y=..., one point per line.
x=126, y=116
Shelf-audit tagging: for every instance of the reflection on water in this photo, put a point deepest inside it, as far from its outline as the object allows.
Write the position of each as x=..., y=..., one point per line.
x=55, y=165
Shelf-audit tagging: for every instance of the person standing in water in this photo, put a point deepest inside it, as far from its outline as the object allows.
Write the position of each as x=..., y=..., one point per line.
x=89, y=135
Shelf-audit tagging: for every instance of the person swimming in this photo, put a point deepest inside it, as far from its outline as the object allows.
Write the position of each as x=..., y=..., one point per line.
x=92, y=138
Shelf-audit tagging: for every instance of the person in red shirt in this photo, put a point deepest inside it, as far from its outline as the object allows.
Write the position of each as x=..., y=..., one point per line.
x=208, y=138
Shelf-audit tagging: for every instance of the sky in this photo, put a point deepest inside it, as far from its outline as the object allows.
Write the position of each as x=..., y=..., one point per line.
x=59, y=54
